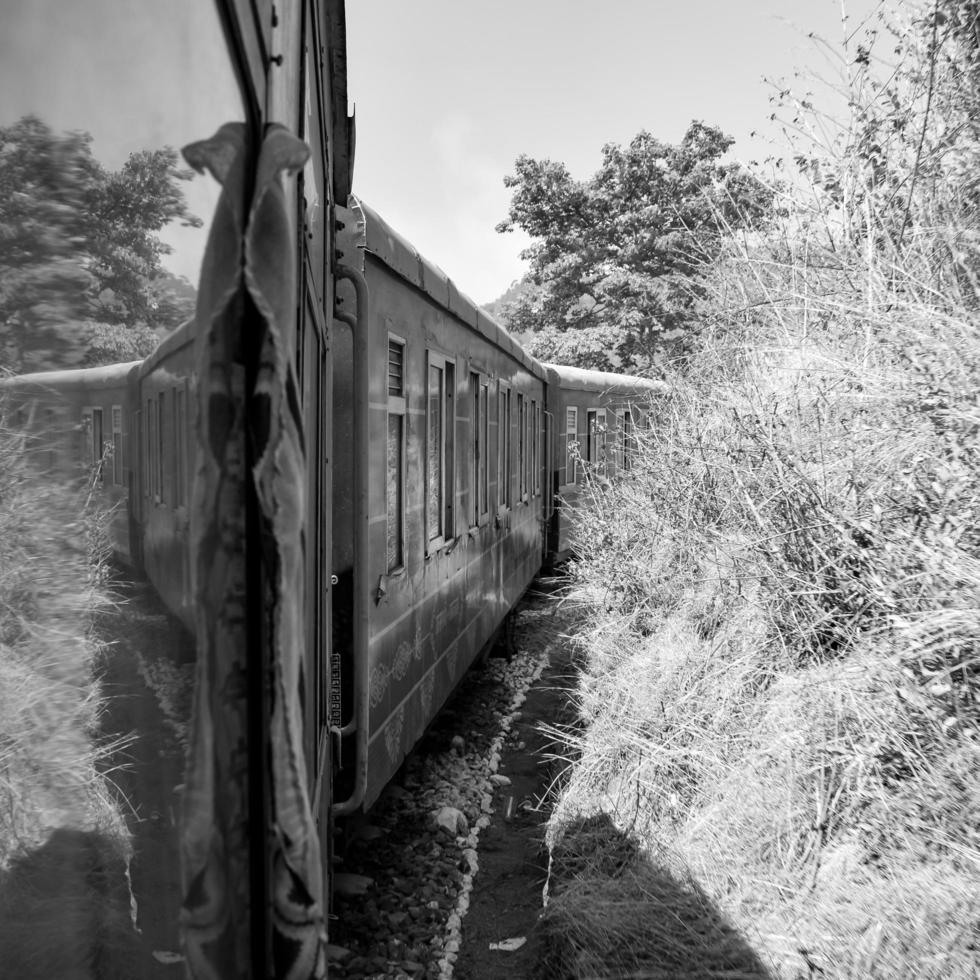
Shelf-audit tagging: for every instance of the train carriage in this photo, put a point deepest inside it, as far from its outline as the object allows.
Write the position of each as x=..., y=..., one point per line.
x=429, y=464
x=444, y=534
x=81, y=428
x=596, y=415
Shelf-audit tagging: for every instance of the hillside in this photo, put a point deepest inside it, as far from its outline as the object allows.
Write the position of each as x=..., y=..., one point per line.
x=779, y=703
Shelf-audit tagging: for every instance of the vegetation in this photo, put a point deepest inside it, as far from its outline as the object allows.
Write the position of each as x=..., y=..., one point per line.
x=780, y=697
x=64, y=847
x=53, y=583
x=614, y=260
x=80, y=262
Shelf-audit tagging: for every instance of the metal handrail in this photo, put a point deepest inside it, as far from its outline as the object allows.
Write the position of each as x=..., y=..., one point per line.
x=360, y=325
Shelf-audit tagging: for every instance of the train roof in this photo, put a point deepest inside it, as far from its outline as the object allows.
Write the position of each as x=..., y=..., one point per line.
x=376, y=236
x=183, y=334
x=585, y=379
x=71, y=379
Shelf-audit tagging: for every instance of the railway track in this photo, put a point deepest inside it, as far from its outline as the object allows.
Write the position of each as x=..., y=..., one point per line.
x=413, y=870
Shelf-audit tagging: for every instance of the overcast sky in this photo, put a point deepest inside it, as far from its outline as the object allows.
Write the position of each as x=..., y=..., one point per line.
x=449, y=92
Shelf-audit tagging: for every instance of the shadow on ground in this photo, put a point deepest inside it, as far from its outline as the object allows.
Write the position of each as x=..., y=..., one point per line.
x=613, y=912
x=65, y=911
x=91, y=905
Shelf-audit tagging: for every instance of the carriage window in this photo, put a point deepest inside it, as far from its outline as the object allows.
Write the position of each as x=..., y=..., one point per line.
x=98, y=449
x=535, y=435
x=180, y=430
x=571, y=443
x=627, y=437
x=440, y=426
x=528, y=443
x=503, y=443
x=395, y=480
x=483, y=424
x=521, y=458
x=479, y=422
x=92, y=435
x=147, y=442
x=161, y=458
x=596, y=418
x=117, y=449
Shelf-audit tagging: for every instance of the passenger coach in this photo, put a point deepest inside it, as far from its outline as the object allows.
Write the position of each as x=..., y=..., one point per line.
x=438, y=494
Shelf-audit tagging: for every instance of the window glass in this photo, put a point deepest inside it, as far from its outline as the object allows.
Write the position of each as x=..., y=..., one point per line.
x=117, y=460
x=483, y=423
x=476, y=438
x=434, y=454
x=480, y=429
x=98, y=449
x=627, y=438
x=596, y=419
x=503, y=475
x=521, y=458
x=534, y=423
x=104, y=226
x=395, y=479
x=449, y=443
x=180, y=425
x=571, y=443
x=161, y=458
x=396, y=424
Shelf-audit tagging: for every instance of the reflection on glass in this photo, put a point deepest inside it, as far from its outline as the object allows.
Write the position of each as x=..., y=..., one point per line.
x=102, y=230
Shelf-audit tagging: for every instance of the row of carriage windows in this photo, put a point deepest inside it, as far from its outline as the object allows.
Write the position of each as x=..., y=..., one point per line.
x=489, y=404
x=595, y=450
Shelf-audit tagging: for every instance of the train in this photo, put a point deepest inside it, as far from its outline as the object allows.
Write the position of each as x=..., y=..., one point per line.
x=351, y=456
x=455, y=460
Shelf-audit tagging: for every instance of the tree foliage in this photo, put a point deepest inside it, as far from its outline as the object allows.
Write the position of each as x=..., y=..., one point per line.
x=79, y=253
x=614, y=258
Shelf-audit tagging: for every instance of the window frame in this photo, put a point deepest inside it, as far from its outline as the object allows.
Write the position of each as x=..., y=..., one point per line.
x=161, y=453
x=504, y=467
x=521, y=448
x=594, y=419
x=479, y=470
x=181, y=481
x=535, y=447
x=397, y=407
x=93, y=452
x=627, y=437
x=571, y=437
x=116, y=423
x=447, y=407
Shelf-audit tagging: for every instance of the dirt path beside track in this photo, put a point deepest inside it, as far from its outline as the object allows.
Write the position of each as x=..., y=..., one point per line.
x=507, y=892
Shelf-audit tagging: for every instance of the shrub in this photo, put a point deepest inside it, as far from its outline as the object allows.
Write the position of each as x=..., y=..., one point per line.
x=782, y=690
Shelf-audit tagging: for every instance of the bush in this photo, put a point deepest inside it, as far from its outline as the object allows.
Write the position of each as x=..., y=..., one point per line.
x=53, y=582
x=782, y=692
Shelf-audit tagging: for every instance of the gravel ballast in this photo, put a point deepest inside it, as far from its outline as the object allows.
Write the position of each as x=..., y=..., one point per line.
x=406, y=875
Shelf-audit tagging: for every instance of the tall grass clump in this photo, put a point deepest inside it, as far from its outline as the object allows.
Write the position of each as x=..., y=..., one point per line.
x=54, y=552
x=781, y=697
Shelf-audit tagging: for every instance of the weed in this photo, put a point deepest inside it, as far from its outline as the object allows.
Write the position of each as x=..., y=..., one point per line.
x=782, y=688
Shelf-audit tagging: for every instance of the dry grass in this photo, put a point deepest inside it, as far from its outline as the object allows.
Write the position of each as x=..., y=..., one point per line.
x=53, y=582
x=782, y=690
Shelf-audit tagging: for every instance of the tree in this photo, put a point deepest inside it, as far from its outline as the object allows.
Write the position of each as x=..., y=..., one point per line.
x=79, y=252
x=615, y=258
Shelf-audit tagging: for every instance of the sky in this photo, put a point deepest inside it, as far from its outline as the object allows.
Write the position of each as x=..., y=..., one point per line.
x=161, y=81
x=448, y=93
